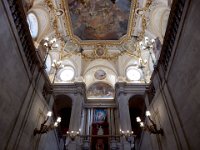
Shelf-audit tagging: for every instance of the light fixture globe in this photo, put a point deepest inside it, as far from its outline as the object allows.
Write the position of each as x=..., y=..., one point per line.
x=133, y=73
x=66, y=74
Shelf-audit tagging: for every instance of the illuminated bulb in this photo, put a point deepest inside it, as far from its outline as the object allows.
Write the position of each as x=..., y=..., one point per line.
x=127, y=131
x=152, y=40
x=49, y=113
x=79, y=130
x=55, y=124
x=53, y=65
x=143, y=47
x=72, y=131
x=145, y=61
x=131, y=132
x=56, y=45
x=54, y=39
x=141, y=124
x=46, y=38
x=45, y=44
x=148, y=113
x=58, y=119
x=138, y=119
x=59, y=62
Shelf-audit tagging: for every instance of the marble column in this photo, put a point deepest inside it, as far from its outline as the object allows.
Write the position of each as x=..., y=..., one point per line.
x=75, y=120
x=125, y=123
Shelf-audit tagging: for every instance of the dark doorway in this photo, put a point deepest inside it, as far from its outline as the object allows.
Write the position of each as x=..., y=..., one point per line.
x=136, y=108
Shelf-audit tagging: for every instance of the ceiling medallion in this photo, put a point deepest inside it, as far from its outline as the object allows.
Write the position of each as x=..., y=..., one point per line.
x=101, y=52
x=100, y=74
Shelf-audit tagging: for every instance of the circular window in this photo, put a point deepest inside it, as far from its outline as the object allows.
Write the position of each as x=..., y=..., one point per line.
x=133, y=73
x=66, y=74
x=33, y=24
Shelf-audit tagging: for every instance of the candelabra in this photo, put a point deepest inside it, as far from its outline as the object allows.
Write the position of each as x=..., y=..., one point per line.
x=142, y=64
x=56, y=65
x=150, y=128
x=147, y=44
x=73, y=134
x=126, y=134
x=44, y=128
x=49, y=44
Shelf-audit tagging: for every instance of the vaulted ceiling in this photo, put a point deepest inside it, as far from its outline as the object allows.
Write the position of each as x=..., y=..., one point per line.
x=105, y=41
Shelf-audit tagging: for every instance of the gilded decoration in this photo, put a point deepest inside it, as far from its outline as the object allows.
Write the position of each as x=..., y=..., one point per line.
x=101, y=51
x=124, y=45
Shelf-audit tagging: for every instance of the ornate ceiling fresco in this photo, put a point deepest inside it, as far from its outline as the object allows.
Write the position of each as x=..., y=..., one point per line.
x=99, y=19
x=100, y=40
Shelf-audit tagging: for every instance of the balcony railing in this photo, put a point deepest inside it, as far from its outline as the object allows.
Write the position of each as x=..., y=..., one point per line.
x=171, y=32
x=19, y=19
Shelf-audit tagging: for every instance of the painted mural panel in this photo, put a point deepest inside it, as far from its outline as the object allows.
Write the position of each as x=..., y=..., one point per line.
x=100, y=90
x=99, y=19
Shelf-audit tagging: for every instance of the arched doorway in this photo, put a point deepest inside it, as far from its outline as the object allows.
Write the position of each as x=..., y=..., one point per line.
x=62, y=107
x=136, y=108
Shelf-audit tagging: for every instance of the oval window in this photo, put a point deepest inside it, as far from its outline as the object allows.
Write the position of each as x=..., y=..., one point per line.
x=133, y=73
x=33, y=24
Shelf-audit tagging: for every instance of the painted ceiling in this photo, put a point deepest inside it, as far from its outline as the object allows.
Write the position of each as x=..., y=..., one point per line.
x=99, y=19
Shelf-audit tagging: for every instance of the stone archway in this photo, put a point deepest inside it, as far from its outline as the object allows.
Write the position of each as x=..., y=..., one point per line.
x=62, y=107
x=136, y=108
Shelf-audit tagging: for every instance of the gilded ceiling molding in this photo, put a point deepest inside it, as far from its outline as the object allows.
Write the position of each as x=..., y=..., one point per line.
x=144, y=20
x=101, y=52
x=50, y=4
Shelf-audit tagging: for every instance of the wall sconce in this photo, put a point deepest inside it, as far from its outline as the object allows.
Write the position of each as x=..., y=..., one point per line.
x=126, y=134
x=73, y=134
x=150, y=128
x=45, y=128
